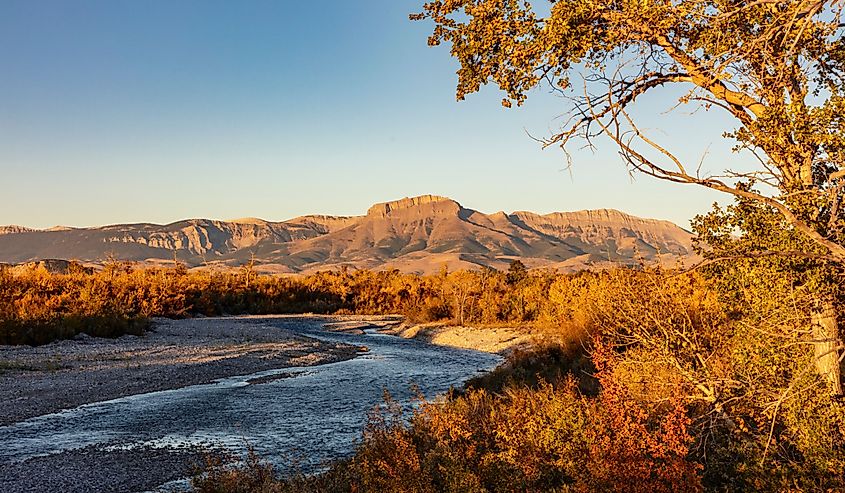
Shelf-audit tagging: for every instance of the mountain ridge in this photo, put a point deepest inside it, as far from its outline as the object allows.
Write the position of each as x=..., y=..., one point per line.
x=414, y=234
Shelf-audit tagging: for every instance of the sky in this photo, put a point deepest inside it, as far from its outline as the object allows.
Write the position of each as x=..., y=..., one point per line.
x=120, y=111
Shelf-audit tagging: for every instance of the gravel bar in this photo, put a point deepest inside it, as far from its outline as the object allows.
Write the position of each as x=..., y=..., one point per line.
x=176, y=353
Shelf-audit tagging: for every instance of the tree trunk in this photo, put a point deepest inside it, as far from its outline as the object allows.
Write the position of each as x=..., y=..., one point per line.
x=827, y=345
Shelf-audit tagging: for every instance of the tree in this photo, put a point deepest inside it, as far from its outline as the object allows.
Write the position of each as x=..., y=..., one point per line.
x=461, y=285
x=772, y=352
x=517, y=272
x=776, y=67
x=248, y=270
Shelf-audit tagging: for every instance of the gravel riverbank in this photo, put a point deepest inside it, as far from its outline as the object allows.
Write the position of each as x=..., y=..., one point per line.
x=94, y=469
x=35, y=381
x=138, y=443
x=174, y=354
x=499, y=340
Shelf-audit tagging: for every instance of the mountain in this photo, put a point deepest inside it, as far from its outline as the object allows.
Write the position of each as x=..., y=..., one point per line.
x=418, y=234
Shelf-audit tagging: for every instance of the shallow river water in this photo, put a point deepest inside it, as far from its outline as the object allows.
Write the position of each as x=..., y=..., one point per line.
x=308, y=417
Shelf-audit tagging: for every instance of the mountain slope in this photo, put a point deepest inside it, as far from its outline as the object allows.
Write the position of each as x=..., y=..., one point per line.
x=418, y=234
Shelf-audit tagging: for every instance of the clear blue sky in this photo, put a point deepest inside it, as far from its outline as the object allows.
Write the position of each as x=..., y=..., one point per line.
x=127, y=111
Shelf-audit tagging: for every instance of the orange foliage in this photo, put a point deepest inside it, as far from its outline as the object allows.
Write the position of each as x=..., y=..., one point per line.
x=637, y=449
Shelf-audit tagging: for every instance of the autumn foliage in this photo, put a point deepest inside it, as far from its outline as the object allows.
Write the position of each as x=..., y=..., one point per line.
x=642, y=379
x=37, y=306
x=647, y=381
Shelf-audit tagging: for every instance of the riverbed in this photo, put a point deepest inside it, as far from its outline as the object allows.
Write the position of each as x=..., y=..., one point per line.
x=297, y=417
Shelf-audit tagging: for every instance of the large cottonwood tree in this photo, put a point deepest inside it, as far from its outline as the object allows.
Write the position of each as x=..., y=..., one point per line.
x=776, y=67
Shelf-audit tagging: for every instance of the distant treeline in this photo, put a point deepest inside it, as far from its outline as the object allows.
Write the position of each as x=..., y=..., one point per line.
x=37, y=306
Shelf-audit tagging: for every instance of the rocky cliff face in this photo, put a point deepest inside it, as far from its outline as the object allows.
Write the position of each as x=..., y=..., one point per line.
x=202, y=237
x=414, y=206
x=412, y=234
x=4, y=230
x=603, y=225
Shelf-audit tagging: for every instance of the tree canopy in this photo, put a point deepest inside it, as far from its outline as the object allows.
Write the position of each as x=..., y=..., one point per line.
x=775, y=66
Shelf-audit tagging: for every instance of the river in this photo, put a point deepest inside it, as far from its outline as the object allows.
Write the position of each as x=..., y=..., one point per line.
x=308, y=416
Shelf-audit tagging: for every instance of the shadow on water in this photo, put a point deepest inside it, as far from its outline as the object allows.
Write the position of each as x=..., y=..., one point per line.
x=306, y=415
